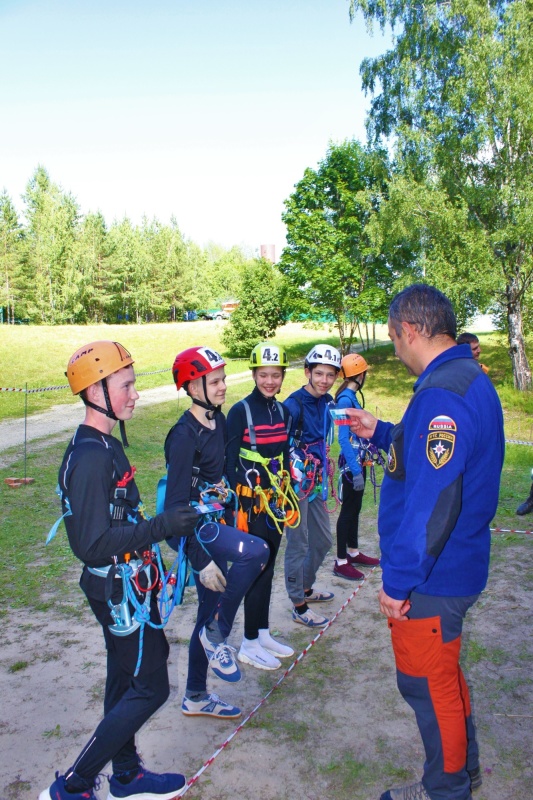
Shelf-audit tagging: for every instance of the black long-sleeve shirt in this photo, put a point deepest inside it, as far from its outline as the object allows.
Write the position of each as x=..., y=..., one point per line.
x=182, y=443
x=92, y=465
x=271, y=433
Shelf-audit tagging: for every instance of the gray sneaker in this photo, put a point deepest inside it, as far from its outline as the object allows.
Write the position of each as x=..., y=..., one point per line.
x=319, y=596
x=413, y=792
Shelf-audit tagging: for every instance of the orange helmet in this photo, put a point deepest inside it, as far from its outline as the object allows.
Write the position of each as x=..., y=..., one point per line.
x=353, y=364
x=95, y=361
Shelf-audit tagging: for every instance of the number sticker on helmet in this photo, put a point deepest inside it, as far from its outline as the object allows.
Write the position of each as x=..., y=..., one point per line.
x=212, y=356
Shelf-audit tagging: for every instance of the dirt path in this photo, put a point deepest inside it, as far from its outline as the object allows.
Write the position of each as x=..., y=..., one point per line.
x=334, y=728
x=49, y=426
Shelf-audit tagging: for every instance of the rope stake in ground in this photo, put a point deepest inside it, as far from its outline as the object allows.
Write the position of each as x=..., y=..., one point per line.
x=254, y=711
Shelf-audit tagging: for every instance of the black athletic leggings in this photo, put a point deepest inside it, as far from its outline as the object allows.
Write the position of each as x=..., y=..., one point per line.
x=257, y=598
x=348, y=520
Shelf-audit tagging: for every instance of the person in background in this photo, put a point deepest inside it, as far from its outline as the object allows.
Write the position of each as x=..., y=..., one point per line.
x=527, y=506
x=106, y=530
x=473, y=341
x=438, y=498
x=353, y=475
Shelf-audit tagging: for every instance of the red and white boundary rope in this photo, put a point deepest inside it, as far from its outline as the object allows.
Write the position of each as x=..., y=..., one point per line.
x=507, y=530
x=304, y=652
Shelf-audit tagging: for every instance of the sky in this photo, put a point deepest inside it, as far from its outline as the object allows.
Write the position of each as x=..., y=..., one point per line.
x=208, y=111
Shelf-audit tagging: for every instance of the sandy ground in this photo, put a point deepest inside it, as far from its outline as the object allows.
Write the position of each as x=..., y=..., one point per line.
x=335, y=726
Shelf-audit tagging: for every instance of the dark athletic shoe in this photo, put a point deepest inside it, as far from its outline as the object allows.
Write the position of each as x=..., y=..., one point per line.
x=360, y=560
x=526, y=507
x=58, y=791
x=348, y=572
x=147, y=786
x=475, y=778
x=414, y=792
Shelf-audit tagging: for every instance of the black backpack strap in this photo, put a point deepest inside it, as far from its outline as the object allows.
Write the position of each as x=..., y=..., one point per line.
x=298, y=431
x=251, y=426
x=195, y=475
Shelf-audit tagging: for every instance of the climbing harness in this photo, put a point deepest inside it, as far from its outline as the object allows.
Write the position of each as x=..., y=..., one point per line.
x=279, y=501
x=372, y=458
x=169, y=583
x=328, y=470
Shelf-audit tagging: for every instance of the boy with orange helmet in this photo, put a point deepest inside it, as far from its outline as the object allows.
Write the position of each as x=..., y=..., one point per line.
x=106, y=529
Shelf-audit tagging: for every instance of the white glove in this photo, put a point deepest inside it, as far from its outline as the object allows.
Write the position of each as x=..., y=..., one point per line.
x=358, y=482
x=212, y=577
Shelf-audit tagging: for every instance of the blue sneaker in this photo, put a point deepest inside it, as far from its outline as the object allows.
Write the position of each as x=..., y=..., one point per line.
x=209, y=706
x=58, y=791
x=310, y=619
x=221, y=659
x=147, y=786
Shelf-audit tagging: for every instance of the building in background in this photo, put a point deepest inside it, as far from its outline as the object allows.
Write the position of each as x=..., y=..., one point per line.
x=268, y=252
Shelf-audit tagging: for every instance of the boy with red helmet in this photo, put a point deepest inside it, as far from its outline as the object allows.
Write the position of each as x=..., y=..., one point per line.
x=195, y=455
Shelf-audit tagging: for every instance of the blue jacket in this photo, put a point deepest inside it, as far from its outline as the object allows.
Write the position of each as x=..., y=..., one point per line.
x=440, y=490
x=349, y=443
x=316, y=420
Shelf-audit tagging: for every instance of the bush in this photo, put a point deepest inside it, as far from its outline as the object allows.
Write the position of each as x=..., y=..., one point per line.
x=259, y=312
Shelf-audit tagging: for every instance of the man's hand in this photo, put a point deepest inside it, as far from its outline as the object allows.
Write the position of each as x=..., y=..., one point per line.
x=212, y=577
x=363, y=424
x=397, y=609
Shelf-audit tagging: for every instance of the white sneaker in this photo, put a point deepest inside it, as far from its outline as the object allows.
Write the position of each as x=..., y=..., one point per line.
x=276, y=648
x=252, y=653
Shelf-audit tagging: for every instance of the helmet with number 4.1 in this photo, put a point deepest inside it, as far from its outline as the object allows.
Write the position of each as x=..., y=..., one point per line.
x=323, y=354
x=193, y=363
x=268, y=355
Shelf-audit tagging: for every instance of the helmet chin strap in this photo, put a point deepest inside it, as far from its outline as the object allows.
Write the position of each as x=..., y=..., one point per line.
x=359, y=385
x=108, y=412
x=211, y=409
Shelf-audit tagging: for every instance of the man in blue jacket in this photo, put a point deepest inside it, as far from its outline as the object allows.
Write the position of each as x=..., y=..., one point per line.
x=439, y=495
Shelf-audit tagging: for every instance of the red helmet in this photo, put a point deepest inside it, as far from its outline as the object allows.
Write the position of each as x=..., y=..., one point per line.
x=193, y=363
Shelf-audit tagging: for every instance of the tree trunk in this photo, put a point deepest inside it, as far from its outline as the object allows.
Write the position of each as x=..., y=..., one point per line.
x=517, y=349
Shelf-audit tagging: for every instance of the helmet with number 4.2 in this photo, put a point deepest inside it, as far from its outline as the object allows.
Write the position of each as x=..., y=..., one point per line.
x=268, y=355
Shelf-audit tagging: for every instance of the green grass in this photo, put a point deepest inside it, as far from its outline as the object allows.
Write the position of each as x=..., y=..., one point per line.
x=37, y=356
x=18, y=666
x=35, y=575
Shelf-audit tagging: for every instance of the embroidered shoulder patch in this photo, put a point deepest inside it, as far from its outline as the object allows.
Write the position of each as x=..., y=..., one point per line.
x=392, y=462
x=442, y=423
x=439, y=448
